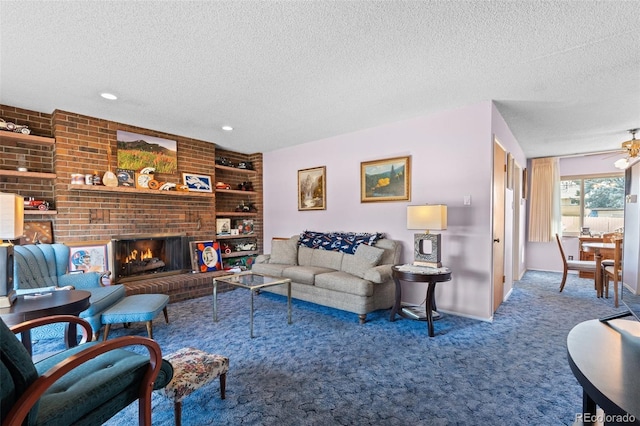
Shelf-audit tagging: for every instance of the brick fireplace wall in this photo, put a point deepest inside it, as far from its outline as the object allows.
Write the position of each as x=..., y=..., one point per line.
x=82, y=146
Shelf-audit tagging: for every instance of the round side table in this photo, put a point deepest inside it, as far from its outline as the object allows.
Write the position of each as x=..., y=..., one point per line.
x=62, y=302
x=418, y=274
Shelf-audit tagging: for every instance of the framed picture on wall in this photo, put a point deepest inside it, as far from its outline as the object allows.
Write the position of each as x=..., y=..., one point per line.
x=385, y=180
x=136, y=151
x=312, y=193
x=197, y=183
x=89, y=256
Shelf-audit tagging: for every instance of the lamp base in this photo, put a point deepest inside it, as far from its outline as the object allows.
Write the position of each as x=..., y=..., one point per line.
x=7, y=301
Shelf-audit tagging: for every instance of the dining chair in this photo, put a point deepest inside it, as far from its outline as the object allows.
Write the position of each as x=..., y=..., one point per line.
x=612, y=270
x=574, y=265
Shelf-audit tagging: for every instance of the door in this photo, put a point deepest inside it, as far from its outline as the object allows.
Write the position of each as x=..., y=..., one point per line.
x=499, y=180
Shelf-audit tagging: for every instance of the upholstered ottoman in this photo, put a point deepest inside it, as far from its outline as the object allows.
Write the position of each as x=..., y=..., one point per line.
x=136, y=308
x=192, y=369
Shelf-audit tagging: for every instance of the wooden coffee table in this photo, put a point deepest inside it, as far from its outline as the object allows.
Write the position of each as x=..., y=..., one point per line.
x=253, y=282
x=62, y=302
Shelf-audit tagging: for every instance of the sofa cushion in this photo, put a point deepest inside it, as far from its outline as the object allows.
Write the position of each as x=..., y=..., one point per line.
x=366, y=257
x=284, y=252
x=304, y=255
x=304, y=274
x=272, y=269
x=102, y=298
x=344, y=282
x=327, y=259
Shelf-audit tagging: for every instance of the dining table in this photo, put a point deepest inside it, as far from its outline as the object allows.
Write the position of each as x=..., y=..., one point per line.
x=599, y=250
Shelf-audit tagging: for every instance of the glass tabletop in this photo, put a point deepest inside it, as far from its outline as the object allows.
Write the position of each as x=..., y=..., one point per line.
x=251, y=280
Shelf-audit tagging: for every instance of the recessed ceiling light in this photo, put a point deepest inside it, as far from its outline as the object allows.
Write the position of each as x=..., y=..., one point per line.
x=109, y=96
x=227, y=128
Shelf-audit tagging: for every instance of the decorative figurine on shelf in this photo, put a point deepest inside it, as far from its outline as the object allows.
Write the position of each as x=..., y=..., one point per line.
x=32, y=204
x=246, y=207
x=247, y=165
x=12, y=127
x=222, y=185
x=222, y=161
x=245, y=186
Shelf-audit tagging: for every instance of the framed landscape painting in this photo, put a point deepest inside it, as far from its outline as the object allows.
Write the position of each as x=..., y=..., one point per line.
x=312, y=194
x=386, y=180
x=137, y=151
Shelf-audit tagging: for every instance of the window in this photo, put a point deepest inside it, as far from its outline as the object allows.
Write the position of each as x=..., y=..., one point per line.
x=593, y=202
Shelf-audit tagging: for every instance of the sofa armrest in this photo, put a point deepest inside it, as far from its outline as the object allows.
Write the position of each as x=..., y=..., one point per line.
x=81, y=281
x=262, y=258
x=379, y=274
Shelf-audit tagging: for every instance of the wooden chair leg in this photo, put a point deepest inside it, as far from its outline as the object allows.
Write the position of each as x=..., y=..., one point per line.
x=107, y=327
x=177, y=412
x=166, y=315
x=564, y=279
x=150, y=329
x=223, y=385
x=615, y=292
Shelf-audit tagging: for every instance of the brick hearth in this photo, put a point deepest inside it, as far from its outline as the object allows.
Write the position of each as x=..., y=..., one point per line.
x=178, y=287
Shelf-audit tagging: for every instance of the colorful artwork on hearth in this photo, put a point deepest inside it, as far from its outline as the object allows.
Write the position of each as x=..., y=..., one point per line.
x=205, y=256
x=85, y=256
x=135, y=152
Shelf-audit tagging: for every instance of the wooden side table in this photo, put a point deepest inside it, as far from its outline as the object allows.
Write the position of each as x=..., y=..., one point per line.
x=62, y=302
x=418, y=274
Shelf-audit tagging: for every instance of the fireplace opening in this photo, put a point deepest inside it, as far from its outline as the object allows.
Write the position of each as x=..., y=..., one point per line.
x=137, y=257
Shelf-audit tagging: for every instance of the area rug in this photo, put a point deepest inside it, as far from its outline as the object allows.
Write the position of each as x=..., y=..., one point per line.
x=327, y=369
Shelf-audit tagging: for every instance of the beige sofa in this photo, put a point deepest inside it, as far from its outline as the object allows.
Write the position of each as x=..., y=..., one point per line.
x=358, y=283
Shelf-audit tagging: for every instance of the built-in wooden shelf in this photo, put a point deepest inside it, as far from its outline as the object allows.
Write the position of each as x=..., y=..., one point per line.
x=235, y=169
x=239, y=254
x=39, y=212
x=236, y=214
x=236, y=191
x=32, y=175
x=235, y=237
x=19, y=137
x=124, y=189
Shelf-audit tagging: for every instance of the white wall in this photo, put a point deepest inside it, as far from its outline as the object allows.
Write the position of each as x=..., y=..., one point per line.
x=451, y=157
x=630, y=273
x=546, y=256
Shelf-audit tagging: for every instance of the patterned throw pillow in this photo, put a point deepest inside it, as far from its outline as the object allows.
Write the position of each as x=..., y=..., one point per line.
x=346, y=242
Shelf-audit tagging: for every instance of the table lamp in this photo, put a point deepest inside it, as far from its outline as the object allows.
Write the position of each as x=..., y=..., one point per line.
x=11, y=228
x=427, y=246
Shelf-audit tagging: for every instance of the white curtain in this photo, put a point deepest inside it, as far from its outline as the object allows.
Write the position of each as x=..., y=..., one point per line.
x=544, y=207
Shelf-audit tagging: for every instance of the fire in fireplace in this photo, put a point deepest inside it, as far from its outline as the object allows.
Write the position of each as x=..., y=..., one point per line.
x=138, y=256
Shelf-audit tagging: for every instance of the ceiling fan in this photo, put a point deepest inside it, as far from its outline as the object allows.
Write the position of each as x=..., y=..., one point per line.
x=632, y=150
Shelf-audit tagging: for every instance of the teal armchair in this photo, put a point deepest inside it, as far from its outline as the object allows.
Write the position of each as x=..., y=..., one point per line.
x=44, y=267
x=86, y=384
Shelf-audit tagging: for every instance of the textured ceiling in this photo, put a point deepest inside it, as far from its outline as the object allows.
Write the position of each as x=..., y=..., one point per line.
x=564, y=74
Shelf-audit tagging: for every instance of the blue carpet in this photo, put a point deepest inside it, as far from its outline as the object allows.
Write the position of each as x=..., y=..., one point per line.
x=326, y=369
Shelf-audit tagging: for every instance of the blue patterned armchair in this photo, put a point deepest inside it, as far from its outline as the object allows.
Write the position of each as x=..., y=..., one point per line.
x=86, y=384
x=44, y=267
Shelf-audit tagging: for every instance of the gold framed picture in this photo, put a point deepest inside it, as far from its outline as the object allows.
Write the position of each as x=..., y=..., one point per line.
x=385, y=180
x=312, y=192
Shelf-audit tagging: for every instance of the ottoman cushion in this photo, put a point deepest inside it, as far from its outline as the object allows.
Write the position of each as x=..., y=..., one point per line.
x=136, y=308
x=192, y=369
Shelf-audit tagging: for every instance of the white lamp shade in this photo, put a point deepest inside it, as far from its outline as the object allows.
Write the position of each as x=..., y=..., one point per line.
x=11, y=216
x=427, y=217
